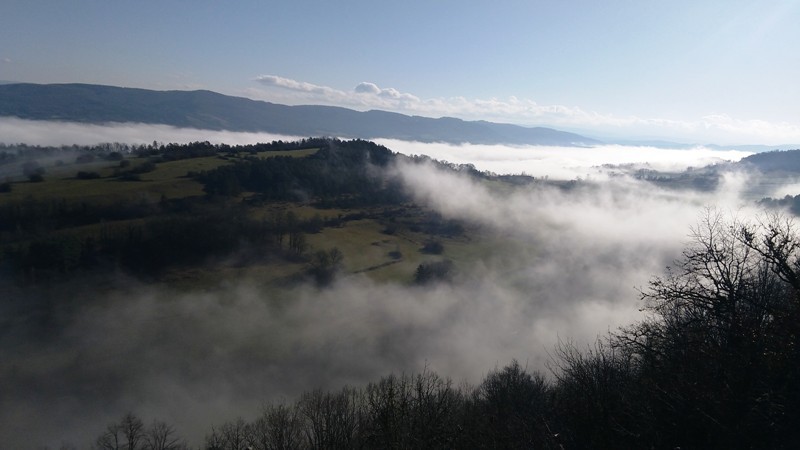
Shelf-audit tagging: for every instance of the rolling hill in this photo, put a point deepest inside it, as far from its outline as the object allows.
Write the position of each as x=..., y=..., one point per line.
x=87, y=103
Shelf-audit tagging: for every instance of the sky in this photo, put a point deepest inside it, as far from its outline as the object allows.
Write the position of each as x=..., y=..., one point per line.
x=688, y=71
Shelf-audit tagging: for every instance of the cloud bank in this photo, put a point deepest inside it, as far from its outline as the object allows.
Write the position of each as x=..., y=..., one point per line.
x=712, y=128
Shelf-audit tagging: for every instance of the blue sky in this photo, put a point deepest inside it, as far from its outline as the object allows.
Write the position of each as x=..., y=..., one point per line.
x=689, y=71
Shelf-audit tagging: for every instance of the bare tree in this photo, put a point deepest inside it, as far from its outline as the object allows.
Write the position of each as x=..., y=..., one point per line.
x=411, y=411
x=161, y=436
x=230, y=436
x=278, y=428
x=510, y=404
x=719, y=347
x=111, y=439
x=331, y=420
x=127, y=434
x=133, y=429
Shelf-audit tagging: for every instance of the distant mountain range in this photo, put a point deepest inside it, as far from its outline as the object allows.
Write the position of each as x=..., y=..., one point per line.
x=88, y=103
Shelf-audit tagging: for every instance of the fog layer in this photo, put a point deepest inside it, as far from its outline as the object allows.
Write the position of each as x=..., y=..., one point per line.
x=37, y=132
x=564, y=162
x=554, y=162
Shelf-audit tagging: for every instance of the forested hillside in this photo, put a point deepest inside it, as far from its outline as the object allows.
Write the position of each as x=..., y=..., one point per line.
x=774, y=161
x=152, y=208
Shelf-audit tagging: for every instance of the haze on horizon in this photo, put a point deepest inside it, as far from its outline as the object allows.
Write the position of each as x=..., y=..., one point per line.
x=535, y=160
x=710, y=72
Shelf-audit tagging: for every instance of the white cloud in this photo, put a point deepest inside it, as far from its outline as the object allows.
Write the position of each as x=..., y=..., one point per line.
x=782, y=131
x=367, y=88
x=716, y=128
x=286, y=83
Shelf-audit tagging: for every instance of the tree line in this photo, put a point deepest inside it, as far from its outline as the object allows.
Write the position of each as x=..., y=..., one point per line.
x=12, y=153
x=340, y=173
x=29, y=157
x=177, y=233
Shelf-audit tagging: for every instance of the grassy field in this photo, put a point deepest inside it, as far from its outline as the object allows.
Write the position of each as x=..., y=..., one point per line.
x=168, y=179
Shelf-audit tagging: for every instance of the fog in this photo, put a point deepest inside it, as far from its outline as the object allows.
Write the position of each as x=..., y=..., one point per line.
x=44, y=133
x=554, y=162
x=568, y=266
x=564, y=162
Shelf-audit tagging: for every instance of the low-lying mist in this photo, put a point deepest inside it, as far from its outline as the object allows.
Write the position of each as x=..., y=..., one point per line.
x=570, y=268
x=38, y=132
x=554, y=162
x=564, y=162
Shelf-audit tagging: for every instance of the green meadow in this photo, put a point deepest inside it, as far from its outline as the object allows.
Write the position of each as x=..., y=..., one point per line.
x=386, y=244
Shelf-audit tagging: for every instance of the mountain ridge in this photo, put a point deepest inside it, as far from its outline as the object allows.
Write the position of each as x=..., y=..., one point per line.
x=205, y=109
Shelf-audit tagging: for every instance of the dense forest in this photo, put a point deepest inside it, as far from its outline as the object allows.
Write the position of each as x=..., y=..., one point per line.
x=714, y=364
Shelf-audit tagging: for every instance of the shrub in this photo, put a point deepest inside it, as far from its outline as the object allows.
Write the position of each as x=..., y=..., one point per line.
x=433, y=248
x=83, y=175
x=434, y=271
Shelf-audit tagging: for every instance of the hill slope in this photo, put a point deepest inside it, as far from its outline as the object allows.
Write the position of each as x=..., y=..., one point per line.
x=210, y=110
x=774, y=161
